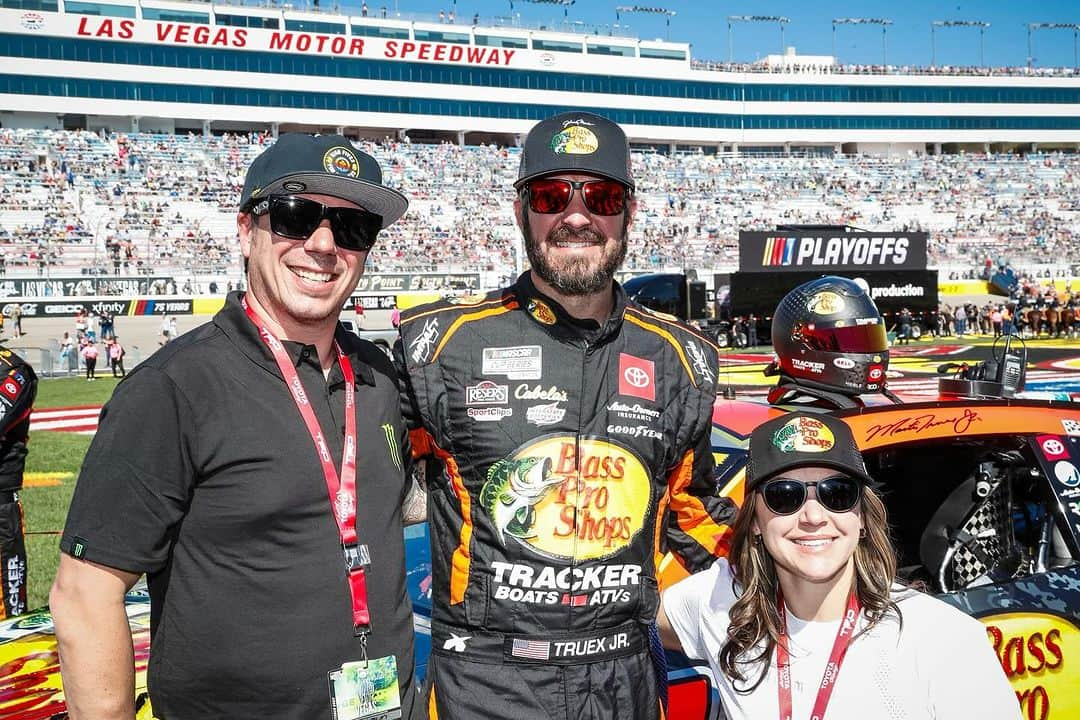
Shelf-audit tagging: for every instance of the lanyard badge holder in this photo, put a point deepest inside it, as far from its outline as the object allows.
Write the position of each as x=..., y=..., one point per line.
x=357, y=561
x=340, y=488
x=368, y=688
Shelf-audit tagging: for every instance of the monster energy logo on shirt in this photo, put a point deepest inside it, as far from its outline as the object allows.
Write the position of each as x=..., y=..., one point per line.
x=392, y=444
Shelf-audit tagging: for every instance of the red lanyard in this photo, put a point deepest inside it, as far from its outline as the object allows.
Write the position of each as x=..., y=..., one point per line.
x=832, y=670
x=342, y=492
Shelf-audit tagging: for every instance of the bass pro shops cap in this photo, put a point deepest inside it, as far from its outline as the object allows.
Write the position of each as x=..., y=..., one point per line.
x=576, y=142
x=324, y=165
x=803, y=439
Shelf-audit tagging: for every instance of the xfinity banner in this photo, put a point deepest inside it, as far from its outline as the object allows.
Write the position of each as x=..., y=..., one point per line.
x=829, y=252
x=68, y=308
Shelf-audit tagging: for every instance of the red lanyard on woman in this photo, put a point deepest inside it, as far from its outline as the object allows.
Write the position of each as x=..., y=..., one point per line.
x=832, y=670
x=342, y=492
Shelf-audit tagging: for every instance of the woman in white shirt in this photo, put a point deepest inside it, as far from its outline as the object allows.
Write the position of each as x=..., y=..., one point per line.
x=805, y=616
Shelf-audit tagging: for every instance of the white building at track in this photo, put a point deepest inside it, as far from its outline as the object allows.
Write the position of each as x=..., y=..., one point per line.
x=170, y=67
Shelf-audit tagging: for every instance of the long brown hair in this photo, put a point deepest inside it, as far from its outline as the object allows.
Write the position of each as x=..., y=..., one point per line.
x=754, y=617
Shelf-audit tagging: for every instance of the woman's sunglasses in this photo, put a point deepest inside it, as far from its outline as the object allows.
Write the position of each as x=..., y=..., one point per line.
x=784, y=496
x=602, y=197
x=296, y=218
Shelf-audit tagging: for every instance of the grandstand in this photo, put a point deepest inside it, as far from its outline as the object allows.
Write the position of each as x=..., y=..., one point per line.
x=104, y=173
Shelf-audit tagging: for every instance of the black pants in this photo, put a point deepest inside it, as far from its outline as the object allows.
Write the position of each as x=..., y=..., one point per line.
x=91, y=363
x=117, y=367
x=12, y=556
x=611, y=689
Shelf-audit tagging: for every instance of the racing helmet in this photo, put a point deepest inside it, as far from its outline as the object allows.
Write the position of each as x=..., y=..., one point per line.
x=828, y=334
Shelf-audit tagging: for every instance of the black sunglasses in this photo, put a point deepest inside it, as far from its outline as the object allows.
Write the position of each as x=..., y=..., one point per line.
x=552, y=195
x=296, y=218
x=838, y=493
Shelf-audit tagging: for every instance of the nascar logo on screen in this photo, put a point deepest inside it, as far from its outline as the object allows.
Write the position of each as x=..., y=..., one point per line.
x=821, y=251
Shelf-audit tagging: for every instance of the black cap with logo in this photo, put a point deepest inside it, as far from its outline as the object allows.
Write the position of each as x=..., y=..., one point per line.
x=322, y=165
x=576, y=142
x=803, y=439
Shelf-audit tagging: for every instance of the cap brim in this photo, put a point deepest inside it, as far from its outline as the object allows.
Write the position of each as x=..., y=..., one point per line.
x=379, y=199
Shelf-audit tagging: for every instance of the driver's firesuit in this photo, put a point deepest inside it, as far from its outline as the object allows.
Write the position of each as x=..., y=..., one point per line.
x=18, y=386
x=573, y=456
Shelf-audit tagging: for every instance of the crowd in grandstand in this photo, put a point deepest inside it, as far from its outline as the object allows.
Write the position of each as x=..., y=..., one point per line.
x=801, y=65
x=126, y=204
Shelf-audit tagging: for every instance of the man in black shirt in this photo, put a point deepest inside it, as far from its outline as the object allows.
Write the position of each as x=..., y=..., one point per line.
x=235, y=465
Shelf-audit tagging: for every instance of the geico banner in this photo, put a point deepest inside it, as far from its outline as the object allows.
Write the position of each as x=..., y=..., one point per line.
x=826, y=252
x=68, y=308
x=82, y=286
x=424, y=282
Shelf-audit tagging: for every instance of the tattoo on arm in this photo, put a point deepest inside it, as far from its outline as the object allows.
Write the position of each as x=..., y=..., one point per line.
x=414, y=508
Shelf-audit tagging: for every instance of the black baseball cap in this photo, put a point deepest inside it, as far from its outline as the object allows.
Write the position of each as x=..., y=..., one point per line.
x=323, y=165
x=803, y=439
x=576, y=142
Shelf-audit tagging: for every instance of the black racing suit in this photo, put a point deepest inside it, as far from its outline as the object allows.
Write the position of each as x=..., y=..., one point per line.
x=574, y=456
x=18, y=386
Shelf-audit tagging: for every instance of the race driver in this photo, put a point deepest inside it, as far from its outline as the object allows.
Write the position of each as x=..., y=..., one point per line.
x=573, y=430
x=18, y=386
x=831, y=346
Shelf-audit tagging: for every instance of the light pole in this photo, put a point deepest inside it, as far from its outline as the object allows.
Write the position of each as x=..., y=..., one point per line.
x=650, y=11
x=956, y=23
x=1075, y=27
x=753, y=19
x=883, y=22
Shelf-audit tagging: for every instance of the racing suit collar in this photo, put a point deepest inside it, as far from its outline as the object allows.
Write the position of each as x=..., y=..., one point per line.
x=554, y=319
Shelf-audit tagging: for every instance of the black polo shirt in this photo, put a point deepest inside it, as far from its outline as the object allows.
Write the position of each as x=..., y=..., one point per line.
x=203, y=476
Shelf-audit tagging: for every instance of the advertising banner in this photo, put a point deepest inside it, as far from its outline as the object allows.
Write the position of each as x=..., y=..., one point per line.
x=68, y=308
x=82, y=286
x=423, y=282
x=824, y=252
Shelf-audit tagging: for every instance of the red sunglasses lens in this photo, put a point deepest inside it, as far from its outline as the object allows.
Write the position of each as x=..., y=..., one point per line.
x=602, y=197
x=549, y=196
x=606, y=197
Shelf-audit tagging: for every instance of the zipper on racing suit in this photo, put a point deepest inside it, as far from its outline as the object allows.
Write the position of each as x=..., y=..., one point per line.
x=577, y=471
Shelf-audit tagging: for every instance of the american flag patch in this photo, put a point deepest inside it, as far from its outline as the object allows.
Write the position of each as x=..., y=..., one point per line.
x=532, y=649
x=574, y=600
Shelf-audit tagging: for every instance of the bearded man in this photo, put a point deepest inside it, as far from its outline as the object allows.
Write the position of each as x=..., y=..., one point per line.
x=569, y=430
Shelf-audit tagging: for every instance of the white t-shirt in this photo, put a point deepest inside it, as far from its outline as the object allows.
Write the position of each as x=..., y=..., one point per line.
x=939, y=666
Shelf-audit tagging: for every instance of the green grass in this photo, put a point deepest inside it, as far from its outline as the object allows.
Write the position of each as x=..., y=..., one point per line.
x=74, y=391
x=46, y=507
x=54, y=452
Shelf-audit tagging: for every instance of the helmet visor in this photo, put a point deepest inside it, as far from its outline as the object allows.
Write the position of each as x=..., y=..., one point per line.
x=845, y=339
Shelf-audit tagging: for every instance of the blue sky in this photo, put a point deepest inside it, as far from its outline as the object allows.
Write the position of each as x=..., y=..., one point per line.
x=704, y=25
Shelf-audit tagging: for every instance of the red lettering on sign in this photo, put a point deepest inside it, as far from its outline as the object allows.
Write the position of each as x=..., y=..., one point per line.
x=1034, y=703
x=105, y=28
x=1011, y=652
